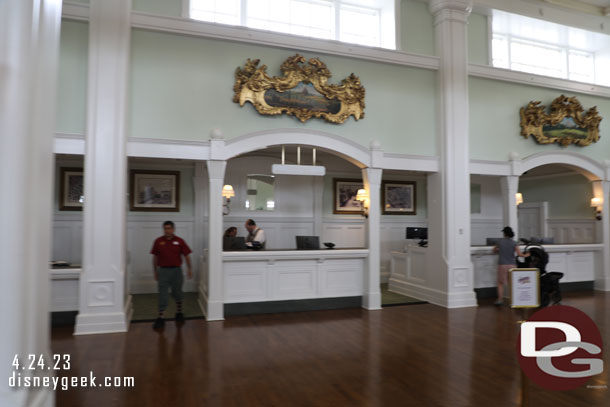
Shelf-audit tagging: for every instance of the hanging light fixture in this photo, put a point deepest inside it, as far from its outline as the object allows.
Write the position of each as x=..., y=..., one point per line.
x=288, y=169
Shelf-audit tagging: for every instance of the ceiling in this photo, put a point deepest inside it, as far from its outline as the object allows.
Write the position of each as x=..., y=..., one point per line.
x=598, y=3
x=596, y=7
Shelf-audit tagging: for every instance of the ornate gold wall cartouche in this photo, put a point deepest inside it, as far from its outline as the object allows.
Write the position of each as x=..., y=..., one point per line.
x=565, y=124
x=303, y=91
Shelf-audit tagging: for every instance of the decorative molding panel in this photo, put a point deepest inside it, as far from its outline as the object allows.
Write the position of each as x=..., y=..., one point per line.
x=572, y=231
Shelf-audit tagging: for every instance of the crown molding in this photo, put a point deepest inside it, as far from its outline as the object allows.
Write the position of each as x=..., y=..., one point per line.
x=506, y=75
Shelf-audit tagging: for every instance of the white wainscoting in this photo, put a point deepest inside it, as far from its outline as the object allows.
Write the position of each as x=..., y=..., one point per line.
x=280, y=232
x=572, y=231
x=482, y=228
x=68, y=237
x=346, y=233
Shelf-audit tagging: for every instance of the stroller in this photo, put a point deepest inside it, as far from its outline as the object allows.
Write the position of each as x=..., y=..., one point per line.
x=549, y=281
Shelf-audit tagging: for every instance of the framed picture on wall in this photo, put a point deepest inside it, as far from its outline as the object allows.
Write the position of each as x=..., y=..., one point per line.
x=398, y=198
x=71, y=196
x=344, y=196
x=155, y=191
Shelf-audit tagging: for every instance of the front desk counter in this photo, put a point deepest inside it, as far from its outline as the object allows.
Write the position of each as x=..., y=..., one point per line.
x=578, y=263
x=277, y=275
x=65, y=284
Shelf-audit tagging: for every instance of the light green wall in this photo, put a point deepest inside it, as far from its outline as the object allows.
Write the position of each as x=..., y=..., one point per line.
x=478, y=39
x=417, y=29
x=494, y=120
x=163, y=7
x=72, y=80
x=568, y=196
x=181, y=88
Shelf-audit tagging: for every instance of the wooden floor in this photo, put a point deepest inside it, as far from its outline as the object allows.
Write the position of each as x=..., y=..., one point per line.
x=416, y=355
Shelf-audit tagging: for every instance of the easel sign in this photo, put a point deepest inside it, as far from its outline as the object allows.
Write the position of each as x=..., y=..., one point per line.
x=524, y=288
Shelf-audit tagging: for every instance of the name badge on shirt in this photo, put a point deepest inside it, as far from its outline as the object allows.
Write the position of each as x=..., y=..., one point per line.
x=176, y=243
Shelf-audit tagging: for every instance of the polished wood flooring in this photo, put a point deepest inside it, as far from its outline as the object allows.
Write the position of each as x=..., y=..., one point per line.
x=416, y=355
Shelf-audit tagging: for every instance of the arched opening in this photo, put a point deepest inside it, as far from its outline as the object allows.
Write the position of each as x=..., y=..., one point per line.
x=556, y=205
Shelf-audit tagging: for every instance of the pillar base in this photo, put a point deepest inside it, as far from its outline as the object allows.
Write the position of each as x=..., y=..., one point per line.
x=103, y=323
x=445, y=299
x=212, y=310
x=602, y=284
x=371, y=301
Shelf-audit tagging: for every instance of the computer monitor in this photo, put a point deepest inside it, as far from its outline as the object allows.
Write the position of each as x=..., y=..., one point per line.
x=308, y=242
x=234, y=243
x=492, y=241
x=417, y=233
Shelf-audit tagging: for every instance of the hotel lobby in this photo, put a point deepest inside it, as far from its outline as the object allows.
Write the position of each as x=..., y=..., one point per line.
x=339, y=176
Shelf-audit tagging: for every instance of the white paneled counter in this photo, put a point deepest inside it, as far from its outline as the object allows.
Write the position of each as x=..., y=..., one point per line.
x=578, y=262
x=407, y=267
x=274, y=275
x=64, y=288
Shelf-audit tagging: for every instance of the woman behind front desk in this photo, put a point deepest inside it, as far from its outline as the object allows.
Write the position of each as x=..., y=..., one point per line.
x=506, y=249
x=230, y=232
x=227, y=238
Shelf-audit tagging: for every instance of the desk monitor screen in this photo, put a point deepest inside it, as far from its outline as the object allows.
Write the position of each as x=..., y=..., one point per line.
x=417, y=233
x=308, y=242
x=234, y=243
x=492, y=241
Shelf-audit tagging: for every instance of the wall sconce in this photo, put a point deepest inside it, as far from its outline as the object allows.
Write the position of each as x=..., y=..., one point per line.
x=598, y=204
x=363, y=196
x=227, y=193
x=519, y=198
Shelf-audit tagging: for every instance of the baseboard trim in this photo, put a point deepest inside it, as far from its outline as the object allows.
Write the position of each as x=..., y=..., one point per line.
x=433, y=296
x=491, y=292
x=272, y=307
x=62, y=318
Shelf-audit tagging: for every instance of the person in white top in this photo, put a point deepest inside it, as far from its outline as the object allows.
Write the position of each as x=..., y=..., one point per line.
x=255, y=234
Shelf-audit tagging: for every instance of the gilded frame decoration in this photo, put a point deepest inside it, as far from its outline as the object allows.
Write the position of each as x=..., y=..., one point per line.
x=303, y=91
x=565, y=124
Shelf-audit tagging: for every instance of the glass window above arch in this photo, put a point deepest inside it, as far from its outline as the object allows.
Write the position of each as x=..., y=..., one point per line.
x=540, y=47
x=363, y=22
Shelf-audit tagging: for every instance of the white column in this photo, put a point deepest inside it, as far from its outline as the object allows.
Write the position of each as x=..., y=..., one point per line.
x=451, y=277
x=29, y=49
x=199, y=187
x=105, y=305
x=510, y=186
x=602, y=275
x=372, y=291
x=214, y=303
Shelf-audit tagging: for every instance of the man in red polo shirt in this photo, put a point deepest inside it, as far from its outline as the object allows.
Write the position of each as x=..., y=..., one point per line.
x=167, y=254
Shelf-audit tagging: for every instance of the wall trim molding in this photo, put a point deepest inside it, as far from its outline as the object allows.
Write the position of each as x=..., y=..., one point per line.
x=507, y=75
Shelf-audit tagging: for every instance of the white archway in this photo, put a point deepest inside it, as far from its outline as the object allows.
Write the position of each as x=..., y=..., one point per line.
x=599, y=175
x=211, y=291
x=588, y=167
x=347, y=149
